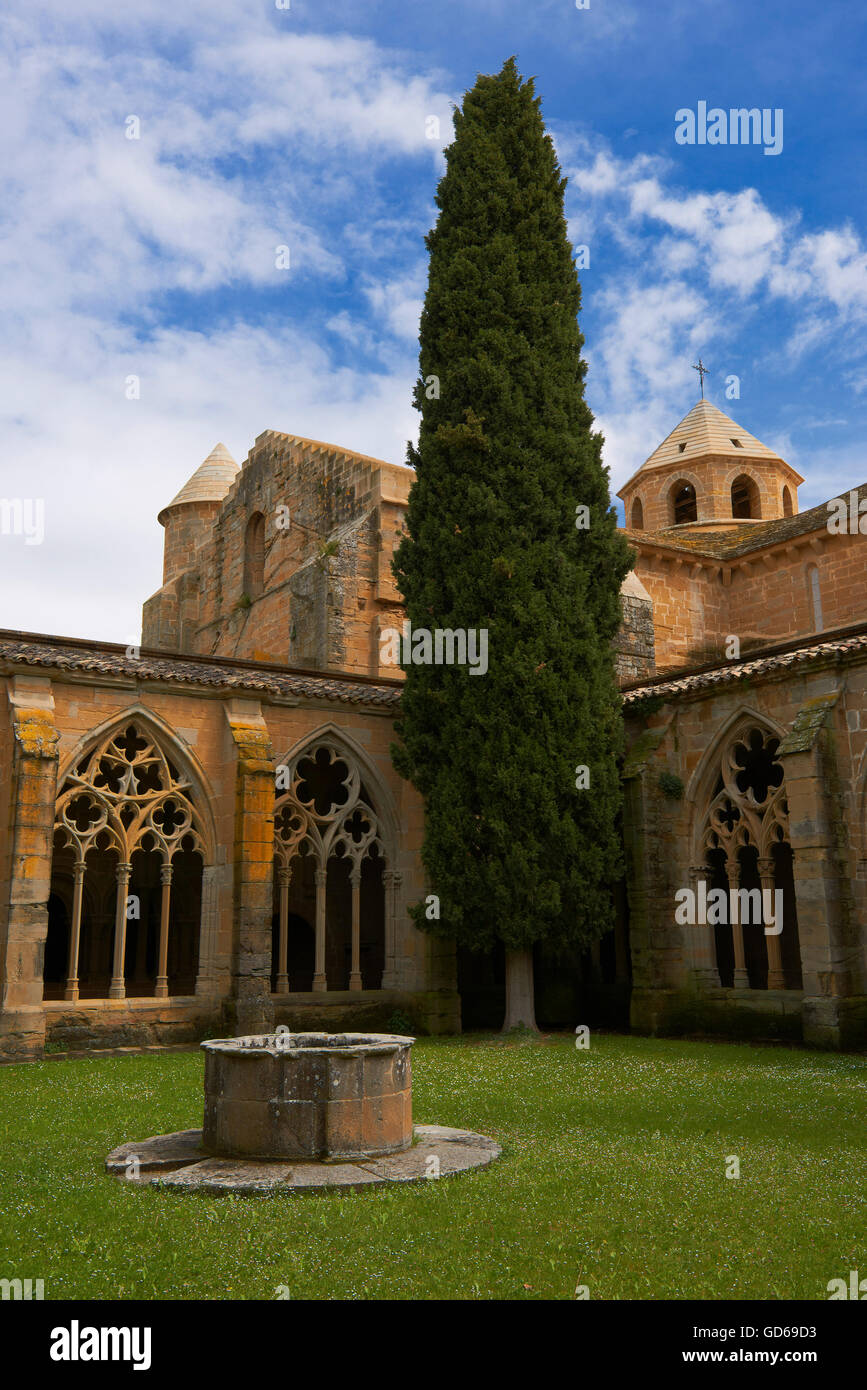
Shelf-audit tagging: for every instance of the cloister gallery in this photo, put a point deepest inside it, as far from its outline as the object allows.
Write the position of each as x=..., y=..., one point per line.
x=206, y=834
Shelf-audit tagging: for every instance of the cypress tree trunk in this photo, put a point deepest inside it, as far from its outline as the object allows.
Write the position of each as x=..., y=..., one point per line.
x=510, y=537
x=520, y=998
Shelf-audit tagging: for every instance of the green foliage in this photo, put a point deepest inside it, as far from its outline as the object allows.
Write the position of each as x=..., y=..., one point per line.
x=506, y=453
x=400, y=1023
x=671, y=786
x=326, y=550
x=244, y=602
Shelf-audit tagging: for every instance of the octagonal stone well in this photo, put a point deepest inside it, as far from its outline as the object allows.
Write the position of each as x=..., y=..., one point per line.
x=308, y=1095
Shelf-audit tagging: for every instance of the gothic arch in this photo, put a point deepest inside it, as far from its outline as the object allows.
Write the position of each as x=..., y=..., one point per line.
x=378, y=789
x=740, y=844
x=705, y=775
x=335, y=846
x=133, y=822
x=182, y=755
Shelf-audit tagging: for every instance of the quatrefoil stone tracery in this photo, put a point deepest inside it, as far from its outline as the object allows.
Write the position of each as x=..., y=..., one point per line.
x=749, y=806
x=127, y=791
x=310, y=819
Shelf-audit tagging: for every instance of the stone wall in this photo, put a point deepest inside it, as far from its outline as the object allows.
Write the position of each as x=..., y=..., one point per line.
x=332, y=521
x=228, y=746
x=816, y=709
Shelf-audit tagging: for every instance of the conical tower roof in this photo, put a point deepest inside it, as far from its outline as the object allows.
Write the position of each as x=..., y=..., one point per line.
x=707, y=430
x=210, y=482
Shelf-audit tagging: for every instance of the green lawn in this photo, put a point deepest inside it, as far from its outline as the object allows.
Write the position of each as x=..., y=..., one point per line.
x=612, y=1175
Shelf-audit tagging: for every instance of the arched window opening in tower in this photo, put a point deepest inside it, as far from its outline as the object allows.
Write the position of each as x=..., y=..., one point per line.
x=254, y=556
x=684, y=503
x=745, y=498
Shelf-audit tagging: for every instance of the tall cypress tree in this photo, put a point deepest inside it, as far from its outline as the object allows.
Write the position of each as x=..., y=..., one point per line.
x=496, y=539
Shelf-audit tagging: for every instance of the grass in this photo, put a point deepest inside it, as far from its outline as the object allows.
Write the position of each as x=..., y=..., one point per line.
x=613, y=1176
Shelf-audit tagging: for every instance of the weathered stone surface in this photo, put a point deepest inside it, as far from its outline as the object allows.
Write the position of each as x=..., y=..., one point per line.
x=308, y=1095
x=163, y=1151
x=437, y=1152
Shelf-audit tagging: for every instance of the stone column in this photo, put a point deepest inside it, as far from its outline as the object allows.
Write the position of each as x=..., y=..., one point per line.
x=704, y=961
x=320, y=984
x=655, y=940
x=741, y=978
x=205, y=979
x=355, y=972
x=30, y=800
x=283, y=939
x=776, y=977
x=117, y=988
x=250, y=1010
x=162, y=986
x=834, y=987
x=391, y=880
x=71, y=991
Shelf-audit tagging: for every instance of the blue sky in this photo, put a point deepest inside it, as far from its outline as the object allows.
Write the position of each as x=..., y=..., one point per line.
x=306, y=127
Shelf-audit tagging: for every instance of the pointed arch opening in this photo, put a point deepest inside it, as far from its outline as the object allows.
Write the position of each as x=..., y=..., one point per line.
x=744, y=853
x=333, y=875
x=637, y=515
x=130, y=846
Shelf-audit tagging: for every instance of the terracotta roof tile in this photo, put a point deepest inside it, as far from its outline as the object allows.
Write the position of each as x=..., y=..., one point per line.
x=104, y=658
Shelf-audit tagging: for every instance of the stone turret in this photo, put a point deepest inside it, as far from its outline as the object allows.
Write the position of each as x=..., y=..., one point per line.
x=709, y=472
x=170, y=617
x=189, y=517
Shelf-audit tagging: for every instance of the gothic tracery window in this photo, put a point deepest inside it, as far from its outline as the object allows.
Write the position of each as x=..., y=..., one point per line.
x=745, y=842
x=330, y=858
x=126, y=873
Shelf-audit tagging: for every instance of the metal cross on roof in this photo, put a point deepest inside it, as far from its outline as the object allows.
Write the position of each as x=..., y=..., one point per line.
x=702, y=373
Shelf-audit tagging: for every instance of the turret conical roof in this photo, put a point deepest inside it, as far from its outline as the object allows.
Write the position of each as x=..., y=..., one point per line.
x=210, y=482
x=706, y=430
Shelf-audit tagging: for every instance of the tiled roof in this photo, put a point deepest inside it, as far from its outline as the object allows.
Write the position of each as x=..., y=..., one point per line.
x=705, y=430
x=739, y=539
x=104, y=658
x=835, y=648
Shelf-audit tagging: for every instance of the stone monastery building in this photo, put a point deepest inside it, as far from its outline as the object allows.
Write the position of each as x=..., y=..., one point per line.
x=206, y=835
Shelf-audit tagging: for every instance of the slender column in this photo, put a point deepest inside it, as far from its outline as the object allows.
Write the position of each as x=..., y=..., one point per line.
x=283, y=939
x=355, y=973
x=776, y=975
x=117, y=988
x=320, y=984
x=162, y=989
x=71, y=991
x=391, y=882
x=704, y=958
x=741, y=978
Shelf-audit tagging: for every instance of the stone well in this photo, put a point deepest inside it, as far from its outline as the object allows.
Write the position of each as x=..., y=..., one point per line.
x=307, y=1096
